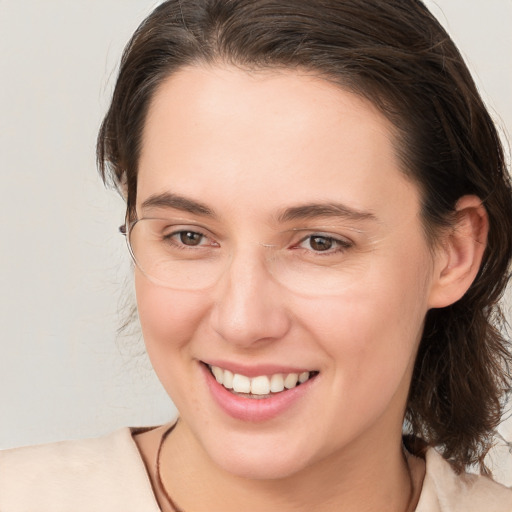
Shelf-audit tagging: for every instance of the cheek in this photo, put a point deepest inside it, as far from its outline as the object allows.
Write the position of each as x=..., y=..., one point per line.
x=370, y=332
x=366, y=316
x=168, y=319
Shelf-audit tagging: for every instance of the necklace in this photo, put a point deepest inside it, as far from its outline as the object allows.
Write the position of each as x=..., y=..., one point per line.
x=159, y=482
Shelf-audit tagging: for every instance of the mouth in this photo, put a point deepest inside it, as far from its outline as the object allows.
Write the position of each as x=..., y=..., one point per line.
x=261, y=386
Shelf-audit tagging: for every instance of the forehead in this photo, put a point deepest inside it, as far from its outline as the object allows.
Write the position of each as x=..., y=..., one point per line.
x=223, y=133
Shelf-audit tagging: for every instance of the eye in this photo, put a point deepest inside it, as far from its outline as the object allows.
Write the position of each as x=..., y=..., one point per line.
x=321, y=243
x=324, y=243
x=179, y=237
x=190, y=238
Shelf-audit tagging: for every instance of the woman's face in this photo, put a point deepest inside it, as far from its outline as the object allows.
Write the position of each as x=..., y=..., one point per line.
x=296, y=187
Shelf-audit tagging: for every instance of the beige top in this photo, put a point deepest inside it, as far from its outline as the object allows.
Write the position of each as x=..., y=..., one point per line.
x=108, y=475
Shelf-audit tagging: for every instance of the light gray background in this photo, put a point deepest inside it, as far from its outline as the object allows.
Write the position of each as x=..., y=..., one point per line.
x=64, y=270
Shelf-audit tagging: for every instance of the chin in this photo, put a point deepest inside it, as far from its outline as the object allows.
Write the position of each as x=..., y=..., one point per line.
x=260, y=467
x=256, y=457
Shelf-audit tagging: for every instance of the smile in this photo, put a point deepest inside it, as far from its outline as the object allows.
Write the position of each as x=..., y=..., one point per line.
x=261, y=386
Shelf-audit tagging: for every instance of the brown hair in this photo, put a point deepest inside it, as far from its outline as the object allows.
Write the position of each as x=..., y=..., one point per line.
x=396, y=54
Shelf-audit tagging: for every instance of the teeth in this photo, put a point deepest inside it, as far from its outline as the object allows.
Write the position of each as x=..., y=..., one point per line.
x=261, y=385
x=303, y=377
x=277, y=383
x=241, y=383
x=218, y=374
x=290, y=380
x=228, y=379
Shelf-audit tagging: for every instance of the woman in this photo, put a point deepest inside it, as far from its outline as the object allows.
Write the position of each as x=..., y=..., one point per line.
x=320, y=217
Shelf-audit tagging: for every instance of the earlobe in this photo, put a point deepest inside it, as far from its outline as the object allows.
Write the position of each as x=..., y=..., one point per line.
x=460, y=253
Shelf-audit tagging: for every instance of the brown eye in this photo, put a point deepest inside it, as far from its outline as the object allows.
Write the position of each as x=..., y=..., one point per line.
x=190, y=237
x=321, y=243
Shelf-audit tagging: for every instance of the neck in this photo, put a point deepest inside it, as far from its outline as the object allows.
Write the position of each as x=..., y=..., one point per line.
x=363, y=477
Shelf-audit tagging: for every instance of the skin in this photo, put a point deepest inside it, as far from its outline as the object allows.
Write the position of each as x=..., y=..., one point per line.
x=247, y=146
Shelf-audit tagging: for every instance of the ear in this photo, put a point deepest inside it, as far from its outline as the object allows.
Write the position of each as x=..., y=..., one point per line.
x=460, y=252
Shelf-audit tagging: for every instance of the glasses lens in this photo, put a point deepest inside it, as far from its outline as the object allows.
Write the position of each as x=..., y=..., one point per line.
x=173, y=254
x=307, y=277
x=185, y=257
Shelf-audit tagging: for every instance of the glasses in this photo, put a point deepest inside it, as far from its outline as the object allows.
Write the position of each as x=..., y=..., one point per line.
x=177, y=254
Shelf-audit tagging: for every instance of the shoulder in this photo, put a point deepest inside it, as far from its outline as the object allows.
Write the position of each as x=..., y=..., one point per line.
x=102, y=474
x=445, y=491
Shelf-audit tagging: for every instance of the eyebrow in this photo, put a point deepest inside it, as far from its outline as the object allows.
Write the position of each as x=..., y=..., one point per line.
x=168, y=200
x=318, y=210
x=300, y=212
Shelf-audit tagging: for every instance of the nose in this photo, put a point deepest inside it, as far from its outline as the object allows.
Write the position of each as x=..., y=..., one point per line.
x=250, y=307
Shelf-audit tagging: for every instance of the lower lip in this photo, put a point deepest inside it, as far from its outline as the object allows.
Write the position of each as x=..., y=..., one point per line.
x=254, y=409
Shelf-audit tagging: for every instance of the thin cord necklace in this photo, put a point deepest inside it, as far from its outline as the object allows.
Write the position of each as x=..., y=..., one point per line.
x=159, y=482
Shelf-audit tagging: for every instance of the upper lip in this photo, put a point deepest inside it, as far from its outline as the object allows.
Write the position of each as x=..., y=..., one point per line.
x=255, y=370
